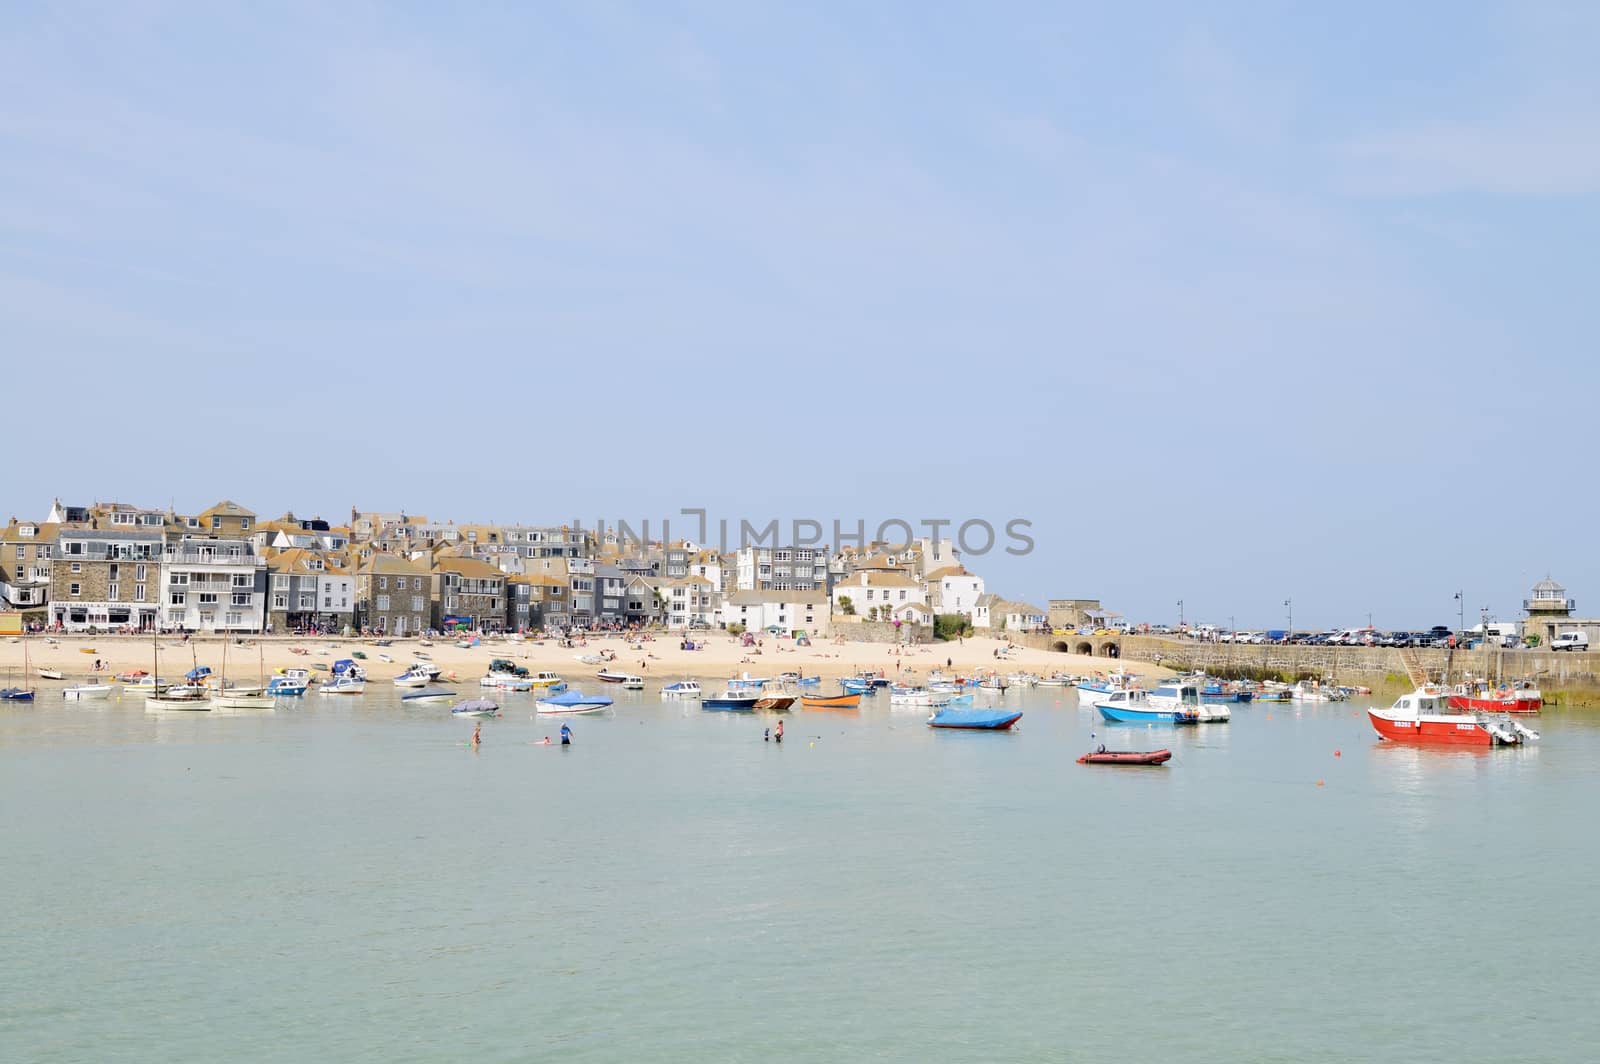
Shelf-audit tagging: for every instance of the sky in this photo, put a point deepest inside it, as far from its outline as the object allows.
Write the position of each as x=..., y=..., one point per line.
x=1235, y=304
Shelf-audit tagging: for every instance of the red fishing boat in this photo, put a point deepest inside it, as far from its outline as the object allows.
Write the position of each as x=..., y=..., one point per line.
x=1103, y=756
x=1486, y=698
x=1424, y=716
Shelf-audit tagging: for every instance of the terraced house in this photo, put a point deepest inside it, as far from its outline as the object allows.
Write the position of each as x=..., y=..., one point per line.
x=213, y=584
x=468, y=593
x=28, y=550
x=392, y=595
x=106, y=579
x=309, y=590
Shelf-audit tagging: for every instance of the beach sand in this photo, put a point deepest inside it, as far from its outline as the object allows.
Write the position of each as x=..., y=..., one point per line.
x=659, y=659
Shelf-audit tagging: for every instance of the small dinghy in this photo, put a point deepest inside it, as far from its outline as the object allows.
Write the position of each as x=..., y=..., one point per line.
x=573, y=703
x=1103, y=756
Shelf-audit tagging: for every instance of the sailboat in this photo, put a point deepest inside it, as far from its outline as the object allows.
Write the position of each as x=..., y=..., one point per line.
x=239, y=698
x=19, y=694
x=191, y=700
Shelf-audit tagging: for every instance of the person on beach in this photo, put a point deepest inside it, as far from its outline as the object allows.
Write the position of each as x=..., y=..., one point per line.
x=777, y=733
x=766, y=735
x=566, y=734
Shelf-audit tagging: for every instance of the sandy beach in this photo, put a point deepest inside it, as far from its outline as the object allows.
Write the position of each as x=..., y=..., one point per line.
x=660, y=658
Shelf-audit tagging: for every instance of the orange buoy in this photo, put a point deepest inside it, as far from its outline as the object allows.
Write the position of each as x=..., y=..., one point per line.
x=1319, y=783
x=1336, y=753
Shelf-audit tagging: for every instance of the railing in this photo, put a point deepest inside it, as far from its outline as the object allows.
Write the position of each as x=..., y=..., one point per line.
x=199, y=558
x=1550, y=604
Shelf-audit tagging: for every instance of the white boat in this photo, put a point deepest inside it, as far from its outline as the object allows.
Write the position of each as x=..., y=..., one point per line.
x=475, y=707
x=1022, y=679
x=233, y=700
x=681, y=689
x=81, y=691
x=633, y=683
x=1187, y=702
x=1312, y=691
x=414, y=677
x=50, y=674
x=342, y=685
x=918, y=697
x=190, y=702
x=505, y=681
x=289, y=682
x=427, y=695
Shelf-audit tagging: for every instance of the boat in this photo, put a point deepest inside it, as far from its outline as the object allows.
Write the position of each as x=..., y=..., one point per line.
x=975, y=719
x=1188, y=702
x=1315, y=691
x=748, y=682
x=547, y=679
x=1134, y=707
x=235, y=697
x=589, y=659
x=81, y=691
x=917, y=696
x=857, y=686
x=1483, y=697
x=475, y=707
x=1056, y=679
x=427, y=695
x=1099, y=686
x=414, y=677
x=734, y=700
x=1103, y=756
x=15, y=694
x=342, y=684
x=50, y=674
x=775, y=702
x=681, y=689
x=607, y=676
x=1424, y=716
x=633, y=683
x=131, y=675
x=573, y=703
x=848, y=700
x=289, y=683
x=188, y=701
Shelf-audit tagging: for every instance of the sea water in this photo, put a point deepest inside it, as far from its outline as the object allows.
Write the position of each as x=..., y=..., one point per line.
x=345, y=879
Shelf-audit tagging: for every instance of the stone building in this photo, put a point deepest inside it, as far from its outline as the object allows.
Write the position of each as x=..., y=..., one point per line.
x=27, y=550
x=468, y=593
x=309, y=589
x=392, y=595
x=1550, y=612
x=106, y=579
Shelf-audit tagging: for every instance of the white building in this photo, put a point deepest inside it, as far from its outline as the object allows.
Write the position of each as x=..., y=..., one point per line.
x=213, y=585
x=954, y=590
x=877, y=589
x=691, y=602
x=786, y=612
x=780, y=569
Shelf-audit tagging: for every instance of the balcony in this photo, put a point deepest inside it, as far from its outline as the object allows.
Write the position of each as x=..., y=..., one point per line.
x=1539, y=604
x=211, y=558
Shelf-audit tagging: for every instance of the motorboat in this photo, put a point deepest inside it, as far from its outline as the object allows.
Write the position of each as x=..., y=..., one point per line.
x=1188, y=702
x=289, y=683
x=426, y=695
x=776, y=703
x=342, y=684
x=81, y=691
x=975, y=719
x=633, y=683
x=1103, y=756
x=1315, y=691
x=610, y=676
x=731, y=700
x=1425, y=716
x=415, y=676
x=16, y=694
x=682, y=689
x=1132, y=706
x=475, y=707
x=1504, y=698
x=50, y=674
x=573, y=703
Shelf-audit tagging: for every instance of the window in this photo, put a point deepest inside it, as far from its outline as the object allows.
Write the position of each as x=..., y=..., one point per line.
x=244, y=522
x=77, y=567
x=178, y=598
x=280, y=602
x=241, y=599
x=76, y=589
x=383, y=602
x=233, y=620
x=216, y=522
x=208, y=598
x=416, y=583
x=20, y=552
x=280, y=581
x=178, y=579
x=112, y=591
x=138, y=592
x=383, y=583
x=74, y=547
x=138, y=572
x=416, y=602
x=327, y=603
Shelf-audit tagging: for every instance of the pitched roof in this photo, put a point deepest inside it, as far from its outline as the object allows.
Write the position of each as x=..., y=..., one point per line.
x=227, y=507
x=949, y=570
x=756, y=598
x=472, y=568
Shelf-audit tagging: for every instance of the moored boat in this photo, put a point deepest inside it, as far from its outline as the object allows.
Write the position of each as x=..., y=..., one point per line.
x=681, y=689
x=848, y=700
x=50, y=674
x=289, y=683
x=1103, y=756
x=1424, y=716
x=775, y=702
x=975, y=719
x=82, y=691
x=426, y=696
x=611, y=676
x=573, y=703
x=1483, y=697
x=1188, y=703
x=1132, y=706
x=475, y=707
x=342, y=684
x=418, y=675
x=731, y=700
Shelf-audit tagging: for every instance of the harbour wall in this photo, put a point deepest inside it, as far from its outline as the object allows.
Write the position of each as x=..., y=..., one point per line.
x=1370, y=666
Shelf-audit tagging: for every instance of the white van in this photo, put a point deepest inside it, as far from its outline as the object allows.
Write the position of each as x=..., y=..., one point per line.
x=1570, y=641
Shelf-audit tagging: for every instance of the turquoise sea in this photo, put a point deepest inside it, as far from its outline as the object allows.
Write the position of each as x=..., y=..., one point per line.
x=346, y=880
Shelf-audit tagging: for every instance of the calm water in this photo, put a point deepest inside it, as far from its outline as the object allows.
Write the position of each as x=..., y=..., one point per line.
x=344, y=880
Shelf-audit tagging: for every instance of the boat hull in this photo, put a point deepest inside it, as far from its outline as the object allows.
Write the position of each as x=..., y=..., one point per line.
x=845, y=701
x=973, y=720
x=1441, y=730
x=729, y=704
x=1121, y=715
x=1473, y=704
x=1126, y=757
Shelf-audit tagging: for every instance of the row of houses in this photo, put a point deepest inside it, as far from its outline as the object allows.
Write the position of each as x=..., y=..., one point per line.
x=113, y=566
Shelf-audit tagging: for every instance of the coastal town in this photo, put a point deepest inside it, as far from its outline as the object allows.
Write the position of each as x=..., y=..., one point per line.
x=118, y=568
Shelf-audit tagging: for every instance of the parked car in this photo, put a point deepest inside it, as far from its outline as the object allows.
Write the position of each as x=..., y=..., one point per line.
x=1570, y=641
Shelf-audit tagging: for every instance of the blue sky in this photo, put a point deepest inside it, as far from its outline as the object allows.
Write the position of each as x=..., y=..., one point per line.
x=1235, y=305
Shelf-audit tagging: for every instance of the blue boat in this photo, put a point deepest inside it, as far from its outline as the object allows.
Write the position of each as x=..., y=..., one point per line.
x=572, y=702
x=975, y=719
x=15, y=694
x=731, y=701
x=857, y=687
x=1133, y=707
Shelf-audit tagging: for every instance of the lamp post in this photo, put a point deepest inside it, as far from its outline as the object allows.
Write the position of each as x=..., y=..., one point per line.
x=1461, y=612
x=1180, y=613
x=1289, y=604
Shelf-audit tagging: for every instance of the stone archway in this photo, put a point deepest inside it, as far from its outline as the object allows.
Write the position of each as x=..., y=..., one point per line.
x=1086, y=648
x=1110, y=650
x=1060, y=647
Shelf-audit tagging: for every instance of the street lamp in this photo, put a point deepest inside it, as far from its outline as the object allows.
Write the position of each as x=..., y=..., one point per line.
x=1289, y=603
x=1180, y=613
x=1461, y=612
